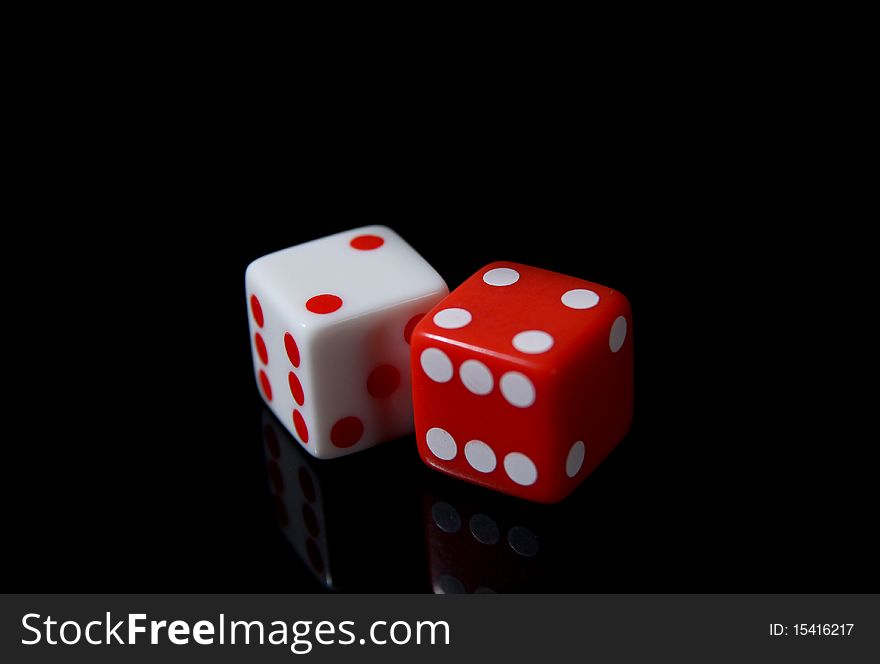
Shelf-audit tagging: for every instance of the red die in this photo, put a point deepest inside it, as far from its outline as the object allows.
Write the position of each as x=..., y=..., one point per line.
x=523, y=380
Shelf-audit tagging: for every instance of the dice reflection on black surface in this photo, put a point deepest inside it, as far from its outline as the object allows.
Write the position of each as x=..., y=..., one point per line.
x=351, y=526
x=480, y=542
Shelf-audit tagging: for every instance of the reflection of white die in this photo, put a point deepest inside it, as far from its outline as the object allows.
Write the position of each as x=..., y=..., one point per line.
x=298, y=500
x=330, y=322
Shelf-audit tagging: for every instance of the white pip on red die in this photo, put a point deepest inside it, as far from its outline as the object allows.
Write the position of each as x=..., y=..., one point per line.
x=523, y=380
x=330, y=324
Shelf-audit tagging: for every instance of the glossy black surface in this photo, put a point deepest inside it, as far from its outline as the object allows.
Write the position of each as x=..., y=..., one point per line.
x=145, y=466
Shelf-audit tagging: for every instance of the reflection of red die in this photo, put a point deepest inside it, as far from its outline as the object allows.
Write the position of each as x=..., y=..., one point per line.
x=482, y=544
x=522, y=380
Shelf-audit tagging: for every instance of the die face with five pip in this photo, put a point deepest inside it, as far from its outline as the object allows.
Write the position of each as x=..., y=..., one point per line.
x=330, y=325
x=523, y=380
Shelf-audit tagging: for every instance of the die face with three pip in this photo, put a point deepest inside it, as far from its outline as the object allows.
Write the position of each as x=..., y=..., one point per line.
x=523, y=380
x=330, y=324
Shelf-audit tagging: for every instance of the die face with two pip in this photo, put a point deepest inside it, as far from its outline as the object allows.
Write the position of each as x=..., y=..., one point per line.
x=523, y=380
x=330, y=324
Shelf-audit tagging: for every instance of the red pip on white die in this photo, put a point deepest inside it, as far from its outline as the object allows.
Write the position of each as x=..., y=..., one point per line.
x=330, y=325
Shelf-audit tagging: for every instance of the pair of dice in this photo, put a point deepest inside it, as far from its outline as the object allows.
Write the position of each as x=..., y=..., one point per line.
x=519, y=380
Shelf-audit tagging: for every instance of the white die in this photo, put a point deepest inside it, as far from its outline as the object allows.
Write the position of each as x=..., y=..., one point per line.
x=330, y=322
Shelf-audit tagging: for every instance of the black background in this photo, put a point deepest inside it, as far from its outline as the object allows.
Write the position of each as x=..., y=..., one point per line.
x=135, y=458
